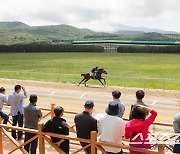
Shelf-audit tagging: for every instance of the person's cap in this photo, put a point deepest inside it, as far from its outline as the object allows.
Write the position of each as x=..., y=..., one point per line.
x=33, y=97
x=58, y=111
x=113, y=108
x=89, y=104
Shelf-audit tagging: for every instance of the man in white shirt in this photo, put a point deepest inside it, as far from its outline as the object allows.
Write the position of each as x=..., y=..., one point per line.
x=15, y=100
x=112, y=128
x=3, y=100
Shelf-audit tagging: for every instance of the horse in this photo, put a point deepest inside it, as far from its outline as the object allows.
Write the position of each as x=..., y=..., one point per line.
x=98, y=77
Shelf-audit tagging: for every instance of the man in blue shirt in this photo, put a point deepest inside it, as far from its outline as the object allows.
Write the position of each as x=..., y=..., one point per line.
x=3, y=100
x=139, y=96
x=116, y=97
x=15, y=100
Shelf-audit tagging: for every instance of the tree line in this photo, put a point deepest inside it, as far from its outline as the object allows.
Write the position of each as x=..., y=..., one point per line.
x=148, y=49
x=19, y=48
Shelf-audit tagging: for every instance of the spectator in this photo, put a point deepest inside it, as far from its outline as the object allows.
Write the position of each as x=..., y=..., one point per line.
x=32, y=114
x=116, y=97
x=3, y=100
x=58, y=125
x=176, y=126
x=85, y=123
x=137, y=129
x=111, y=128
x=15, y=100
x=139, y=96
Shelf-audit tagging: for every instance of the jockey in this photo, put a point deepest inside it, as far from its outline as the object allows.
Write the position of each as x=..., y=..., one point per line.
x=94, y=72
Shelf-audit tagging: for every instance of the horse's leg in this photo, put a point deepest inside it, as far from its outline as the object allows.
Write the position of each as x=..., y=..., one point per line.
x=100, y=81
x=104, y=80
x=81, y=81
x=86, y=81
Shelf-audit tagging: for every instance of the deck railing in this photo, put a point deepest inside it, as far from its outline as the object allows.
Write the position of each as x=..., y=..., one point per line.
x=93, y=143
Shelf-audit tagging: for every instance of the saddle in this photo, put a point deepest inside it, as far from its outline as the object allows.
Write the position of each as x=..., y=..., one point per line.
x=93, y=75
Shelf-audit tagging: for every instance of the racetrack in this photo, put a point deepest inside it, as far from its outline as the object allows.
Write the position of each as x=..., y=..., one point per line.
x=72, y=97
x=159, y=71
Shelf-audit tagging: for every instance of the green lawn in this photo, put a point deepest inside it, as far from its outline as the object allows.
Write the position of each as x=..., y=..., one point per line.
x=49, y=66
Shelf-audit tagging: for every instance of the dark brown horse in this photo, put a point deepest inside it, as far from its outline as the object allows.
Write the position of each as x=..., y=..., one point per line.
x=98, y=77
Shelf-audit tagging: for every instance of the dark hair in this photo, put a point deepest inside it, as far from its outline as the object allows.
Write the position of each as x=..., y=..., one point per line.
x=58, y=111
x=17, y=87
x=116, y=94
x=137, y=113
x=33, y=98
x=140, y=94
x=2, y=89
x=89, y=104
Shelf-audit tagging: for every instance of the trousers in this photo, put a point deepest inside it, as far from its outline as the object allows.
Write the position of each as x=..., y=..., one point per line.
x=18, y=119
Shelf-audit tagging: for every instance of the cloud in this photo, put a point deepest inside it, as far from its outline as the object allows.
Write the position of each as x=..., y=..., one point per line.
x=100, y=15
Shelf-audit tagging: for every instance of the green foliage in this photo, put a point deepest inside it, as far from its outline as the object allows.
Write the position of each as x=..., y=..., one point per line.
x=154, y=37
x=20, y=33
x=123, y=69
x=12, y=25
x=148, y=49
x=43, y=47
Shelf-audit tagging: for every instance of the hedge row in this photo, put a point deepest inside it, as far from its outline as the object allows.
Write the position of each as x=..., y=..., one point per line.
x=49, y=48
x=148, y=49
x=86, y=48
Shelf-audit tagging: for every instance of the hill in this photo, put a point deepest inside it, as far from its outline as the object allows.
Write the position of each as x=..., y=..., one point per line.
x=121, y=27
x=154, y=36
x=12, y=25
x=17, y=32
x=20, y=33
x=126, y=32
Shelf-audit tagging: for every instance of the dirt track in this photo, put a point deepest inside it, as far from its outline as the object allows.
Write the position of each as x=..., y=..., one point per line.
x=72, y=97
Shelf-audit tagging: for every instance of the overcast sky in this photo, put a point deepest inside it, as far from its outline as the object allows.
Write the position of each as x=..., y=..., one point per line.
x=98, y=15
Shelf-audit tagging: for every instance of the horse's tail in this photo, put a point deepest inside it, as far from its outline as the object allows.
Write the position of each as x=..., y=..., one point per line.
x=83, y=74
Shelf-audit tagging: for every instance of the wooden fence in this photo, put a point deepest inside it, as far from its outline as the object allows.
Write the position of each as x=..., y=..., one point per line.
x=92, y=142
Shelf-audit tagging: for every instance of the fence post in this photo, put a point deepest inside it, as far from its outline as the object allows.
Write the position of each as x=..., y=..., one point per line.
x=161, y=148
x=1, y=145
x=124, y=82
x=41, y=139
x=164, y=86
x=52, y=110
x=93, y=142
x=144, y=84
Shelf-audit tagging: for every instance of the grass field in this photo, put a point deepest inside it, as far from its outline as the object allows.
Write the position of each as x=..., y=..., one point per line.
x=67, y=67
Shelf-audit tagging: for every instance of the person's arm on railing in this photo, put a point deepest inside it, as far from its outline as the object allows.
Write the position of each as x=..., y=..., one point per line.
x=40, y=114
x=59, y=142
x=65, y=128
x=6, y=101
x=95, y=126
